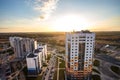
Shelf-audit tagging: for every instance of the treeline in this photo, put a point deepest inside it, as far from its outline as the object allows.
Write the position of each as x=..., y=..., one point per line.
x=31, y=35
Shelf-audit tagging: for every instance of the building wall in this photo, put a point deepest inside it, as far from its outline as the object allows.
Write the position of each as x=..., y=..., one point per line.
x=33, y=66
x=43, y=50
x=39, y=59
x=79, y=54
x=22, y=46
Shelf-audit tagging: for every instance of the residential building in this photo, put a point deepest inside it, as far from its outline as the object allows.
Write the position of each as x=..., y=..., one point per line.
x=43, y=49
x=79, y=55
x=22, y=46
x=40, y=57
x=33, y=66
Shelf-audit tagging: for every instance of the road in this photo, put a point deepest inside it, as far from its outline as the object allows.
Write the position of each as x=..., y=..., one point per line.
x=108, y=59
x=15, y=74
x=49, y=73
x=104, y=68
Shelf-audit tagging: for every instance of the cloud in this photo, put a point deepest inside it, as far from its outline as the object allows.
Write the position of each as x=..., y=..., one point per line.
x=45, y=7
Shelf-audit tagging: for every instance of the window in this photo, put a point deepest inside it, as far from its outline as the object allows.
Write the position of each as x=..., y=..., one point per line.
x=75, y=60
x=68, y=39
x=82, y=37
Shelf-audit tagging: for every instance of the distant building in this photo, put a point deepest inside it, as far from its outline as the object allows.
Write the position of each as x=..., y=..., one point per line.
x=40, y=57
x=79, y=55
x=36, y=59
x=22, y=46
x=43, y=49
x=33, y=66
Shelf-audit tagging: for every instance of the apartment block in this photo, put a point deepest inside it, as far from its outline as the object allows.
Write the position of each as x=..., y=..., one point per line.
x=79, y=54
x=43, y=49
x=22, y=46
x=33, y=65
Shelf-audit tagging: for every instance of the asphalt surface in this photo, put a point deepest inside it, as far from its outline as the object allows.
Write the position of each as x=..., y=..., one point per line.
x=105, y=63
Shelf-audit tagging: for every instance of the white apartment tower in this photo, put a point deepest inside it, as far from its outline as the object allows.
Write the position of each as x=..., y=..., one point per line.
x=79, y=55
x=22, y=46
x=33, y=65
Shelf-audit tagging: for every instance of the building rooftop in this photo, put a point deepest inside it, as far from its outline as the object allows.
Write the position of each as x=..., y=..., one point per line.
x=37, y=50
x=31, y=55
x=82, y=31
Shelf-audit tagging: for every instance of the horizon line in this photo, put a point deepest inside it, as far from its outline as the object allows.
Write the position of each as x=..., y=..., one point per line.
x=55, y=31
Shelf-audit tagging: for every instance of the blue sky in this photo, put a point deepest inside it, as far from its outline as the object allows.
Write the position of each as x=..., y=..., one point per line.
x=16, y=15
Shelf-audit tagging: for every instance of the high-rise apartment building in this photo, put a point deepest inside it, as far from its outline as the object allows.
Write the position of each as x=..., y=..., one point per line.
x=43, y=49
x=35, y=60
x=33, y=64
x=79, y=55
x=22, y=46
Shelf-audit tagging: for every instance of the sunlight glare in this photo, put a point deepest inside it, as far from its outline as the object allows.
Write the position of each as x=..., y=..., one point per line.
x=70, y=22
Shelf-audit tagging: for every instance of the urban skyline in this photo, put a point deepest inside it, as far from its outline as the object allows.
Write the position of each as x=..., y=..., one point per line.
x=55, y=15
x=80, y=55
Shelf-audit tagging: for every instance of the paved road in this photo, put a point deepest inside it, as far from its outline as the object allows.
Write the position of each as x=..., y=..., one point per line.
x=108, y=59
x=106, y=72
x=104, y=68
x=49, y=73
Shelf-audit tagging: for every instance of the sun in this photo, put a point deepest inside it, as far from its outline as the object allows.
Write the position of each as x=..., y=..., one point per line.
x=70, y=22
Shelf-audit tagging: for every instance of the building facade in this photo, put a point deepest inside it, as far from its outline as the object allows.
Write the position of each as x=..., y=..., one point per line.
x=40, y=57
x=22, y=46
x=33, y=66
x=79, y=55
x=43, y=49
